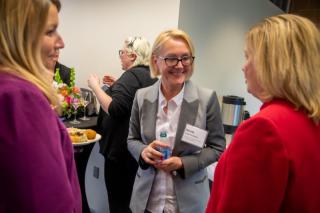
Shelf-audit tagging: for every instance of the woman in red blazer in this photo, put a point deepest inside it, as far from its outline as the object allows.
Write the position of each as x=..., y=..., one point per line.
x=273, y=162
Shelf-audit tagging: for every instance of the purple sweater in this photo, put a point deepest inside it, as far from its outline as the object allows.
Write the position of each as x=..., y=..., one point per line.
x=37, y=168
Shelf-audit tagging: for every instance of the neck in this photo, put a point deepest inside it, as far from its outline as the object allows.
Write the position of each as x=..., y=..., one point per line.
x=169, y=91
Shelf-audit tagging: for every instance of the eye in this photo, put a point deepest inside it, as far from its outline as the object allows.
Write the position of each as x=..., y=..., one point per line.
x=186, y=58
x=51, y=31
x=171, y=59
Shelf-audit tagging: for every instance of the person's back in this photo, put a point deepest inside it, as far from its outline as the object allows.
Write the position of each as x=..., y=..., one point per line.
x=113, y=121
x=117, y=119
x=300, y=138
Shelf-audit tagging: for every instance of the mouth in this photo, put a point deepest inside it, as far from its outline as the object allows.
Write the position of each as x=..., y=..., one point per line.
x=177, y=72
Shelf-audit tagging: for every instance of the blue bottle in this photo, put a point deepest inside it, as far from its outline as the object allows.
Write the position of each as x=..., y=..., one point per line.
x=166, y=151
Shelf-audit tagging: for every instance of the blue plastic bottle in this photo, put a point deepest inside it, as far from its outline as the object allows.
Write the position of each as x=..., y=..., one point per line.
x=166, y=151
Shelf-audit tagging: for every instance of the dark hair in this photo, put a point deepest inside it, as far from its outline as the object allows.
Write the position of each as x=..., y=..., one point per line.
x=57, y=3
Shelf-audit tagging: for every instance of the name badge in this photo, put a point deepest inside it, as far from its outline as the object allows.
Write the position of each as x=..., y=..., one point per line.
x=194, y=135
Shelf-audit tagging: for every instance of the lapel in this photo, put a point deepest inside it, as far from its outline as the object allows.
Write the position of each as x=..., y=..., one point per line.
x=149, y=112
x=189, y=111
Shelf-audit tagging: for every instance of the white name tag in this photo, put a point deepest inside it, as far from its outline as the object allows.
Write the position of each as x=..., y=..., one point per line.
x=194, y=135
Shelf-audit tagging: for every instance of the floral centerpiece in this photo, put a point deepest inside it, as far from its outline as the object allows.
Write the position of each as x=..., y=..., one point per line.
x=69, y=94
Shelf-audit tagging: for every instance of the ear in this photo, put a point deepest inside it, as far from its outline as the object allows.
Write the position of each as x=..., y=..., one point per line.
x=154, y=59
x=133, y=57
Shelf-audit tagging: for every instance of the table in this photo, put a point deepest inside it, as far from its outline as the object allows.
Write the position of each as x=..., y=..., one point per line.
x=90, y=124
x=81, y=154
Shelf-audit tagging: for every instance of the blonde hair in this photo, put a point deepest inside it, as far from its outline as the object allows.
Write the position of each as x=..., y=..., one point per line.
x=162, y=38
x=286, y=52
x=140, y=47
x=22, y=28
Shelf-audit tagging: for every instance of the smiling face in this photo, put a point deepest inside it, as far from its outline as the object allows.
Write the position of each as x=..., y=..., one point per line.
x=173, y=77
x=250, y=74
x=52, y=41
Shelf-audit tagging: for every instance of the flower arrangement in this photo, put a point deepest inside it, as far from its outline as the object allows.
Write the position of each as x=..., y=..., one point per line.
x=69, y=94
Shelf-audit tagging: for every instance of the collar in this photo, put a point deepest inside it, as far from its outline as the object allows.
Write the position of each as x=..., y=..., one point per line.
x=176, y=99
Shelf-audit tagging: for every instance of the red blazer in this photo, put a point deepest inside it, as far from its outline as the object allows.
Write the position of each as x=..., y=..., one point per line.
x=272, y=164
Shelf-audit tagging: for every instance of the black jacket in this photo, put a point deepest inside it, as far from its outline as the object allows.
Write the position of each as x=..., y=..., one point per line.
x=114, y=126
x=64, y=73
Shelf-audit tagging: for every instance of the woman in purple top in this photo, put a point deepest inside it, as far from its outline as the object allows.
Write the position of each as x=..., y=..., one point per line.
x=37, y=169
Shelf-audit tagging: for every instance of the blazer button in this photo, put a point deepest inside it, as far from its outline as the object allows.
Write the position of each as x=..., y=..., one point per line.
x=174, y=173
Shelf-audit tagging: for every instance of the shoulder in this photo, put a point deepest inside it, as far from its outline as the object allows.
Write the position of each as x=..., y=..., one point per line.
x=16, y=86
x=264, y=124
x=193, y=92
x=281, y=112
x=139, y=69
x=134, y=73
x=149, y=91
x=62, y=67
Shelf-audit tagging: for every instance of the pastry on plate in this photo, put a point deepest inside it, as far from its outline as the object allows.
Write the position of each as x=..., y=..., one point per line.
x=77, y=135
x=91, y=134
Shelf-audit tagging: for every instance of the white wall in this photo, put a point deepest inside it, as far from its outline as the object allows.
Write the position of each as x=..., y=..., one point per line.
x=218, y=29
x=94, y=31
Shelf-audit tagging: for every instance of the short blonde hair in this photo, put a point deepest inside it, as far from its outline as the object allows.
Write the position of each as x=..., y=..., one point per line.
x=286, y=52
x=22, y=28
x=140, y=47
x=162, y=38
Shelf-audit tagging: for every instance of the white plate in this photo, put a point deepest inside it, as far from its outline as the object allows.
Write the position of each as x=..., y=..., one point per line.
x=98, y=137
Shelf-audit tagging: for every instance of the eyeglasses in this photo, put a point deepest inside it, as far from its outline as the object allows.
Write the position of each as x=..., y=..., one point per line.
x=173, y=61
x=121, y=52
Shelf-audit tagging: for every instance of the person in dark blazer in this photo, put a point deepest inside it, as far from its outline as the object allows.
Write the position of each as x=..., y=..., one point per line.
x=272, y=163
x=64, y=72
x=183, y=111
x=113, y=120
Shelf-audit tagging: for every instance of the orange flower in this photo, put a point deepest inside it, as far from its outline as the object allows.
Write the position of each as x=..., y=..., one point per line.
x=76, y=90
x=64, y=92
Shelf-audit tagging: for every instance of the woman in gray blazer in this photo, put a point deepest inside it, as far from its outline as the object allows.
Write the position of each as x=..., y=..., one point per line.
x=189, y=119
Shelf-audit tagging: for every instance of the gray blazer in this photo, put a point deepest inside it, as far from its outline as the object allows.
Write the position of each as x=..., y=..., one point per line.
x=200, y=108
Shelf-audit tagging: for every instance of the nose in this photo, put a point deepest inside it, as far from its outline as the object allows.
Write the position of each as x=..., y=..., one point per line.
x=179, y=64
x=60, y=43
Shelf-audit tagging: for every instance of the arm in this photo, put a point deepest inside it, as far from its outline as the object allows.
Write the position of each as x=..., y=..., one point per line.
x=104, y=99
x=215, y=143
x=135, y=144
x=32, y=158
x=123, y=91
x=254, y=171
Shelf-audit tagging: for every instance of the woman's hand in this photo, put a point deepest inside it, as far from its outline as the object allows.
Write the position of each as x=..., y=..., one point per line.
x=93, y=81
x=109, y=80
x=171, y=164
x=150, y=154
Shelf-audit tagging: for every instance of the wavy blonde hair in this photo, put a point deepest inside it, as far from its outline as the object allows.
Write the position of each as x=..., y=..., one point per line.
x=162, y=38
x=22, y=25
x=286, y=52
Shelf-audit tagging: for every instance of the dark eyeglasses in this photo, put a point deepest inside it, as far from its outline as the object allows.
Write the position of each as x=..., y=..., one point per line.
x=173, y=61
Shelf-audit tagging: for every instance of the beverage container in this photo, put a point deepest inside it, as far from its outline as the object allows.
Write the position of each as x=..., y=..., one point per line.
x=233, y=114
x=166, y=151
